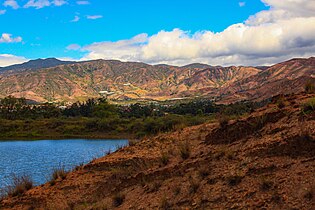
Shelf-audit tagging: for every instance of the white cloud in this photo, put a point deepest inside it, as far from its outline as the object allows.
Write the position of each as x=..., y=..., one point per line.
x=73, y=47
x=283, y=10
x=126, y=50
x=83, y=2
x=7, y=38
x=285, y=30
x=59, y=3
x=242, y=4
x=94, y=17
x=297, y=7
x=75, y=19
x=7, y=60
x=2, y=12
x=11, y=3
x=38, y=4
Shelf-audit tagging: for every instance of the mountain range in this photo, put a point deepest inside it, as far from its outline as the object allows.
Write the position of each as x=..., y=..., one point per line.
x=50, y=79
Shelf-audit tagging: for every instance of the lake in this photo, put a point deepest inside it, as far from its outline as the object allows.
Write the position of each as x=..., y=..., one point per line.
x=38, y=158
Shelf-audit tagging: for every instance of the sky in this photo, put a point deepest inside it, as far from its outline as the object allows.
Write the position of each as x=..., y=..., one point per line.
x=176, y=32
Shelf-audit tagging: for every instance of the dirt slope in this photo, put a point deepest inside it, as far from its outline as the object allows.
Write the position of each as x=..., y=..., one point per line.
x=263, y=161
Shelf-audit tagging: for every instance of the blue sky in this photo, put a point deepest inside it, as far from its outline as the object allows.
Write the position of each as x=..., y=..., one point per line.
x=95, y=28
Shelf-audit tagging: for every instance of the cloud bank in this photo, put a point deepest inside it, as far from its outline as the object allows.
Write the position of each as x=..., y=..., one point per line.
x=7, y=59
x=38, y=4
x=285, y=30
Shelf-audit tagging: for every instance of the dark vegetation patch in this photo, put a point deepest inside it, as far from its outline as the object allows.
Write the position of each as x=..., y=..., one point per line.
x=118, y=199
x=234, y=180
x=242, y=128
x=296, y=146
x=310, y=86
x=184, y=150
x=309, y=107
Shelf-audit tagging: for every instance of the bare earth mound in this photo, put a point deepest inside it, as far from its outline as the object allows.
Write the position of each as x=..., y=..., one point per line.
x=263, y=161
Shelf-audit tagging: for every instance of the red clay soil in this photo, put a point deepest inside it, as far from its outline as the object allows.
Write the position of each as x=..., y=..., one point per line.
x=262, y=161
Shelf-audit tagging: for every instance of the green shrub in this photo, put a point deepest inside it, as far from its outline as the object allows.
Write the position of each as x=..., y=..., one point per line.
x=72, y=129
x=309, y=106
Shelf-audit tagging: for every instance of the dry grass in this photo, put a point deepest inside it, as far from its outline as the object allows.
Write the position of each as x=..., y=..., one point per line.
x=58, y=173
x=309, y=87
x=193, y=186
x=20, y=185
x=184, y=150
x=164, y=204
x=223, y=120
x=165, y=158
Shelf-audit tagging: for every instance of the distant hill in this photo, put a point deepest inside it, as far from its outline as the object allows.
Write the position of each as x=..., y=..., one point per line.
x=283, y=78
x=72, y=81
x=36, y=64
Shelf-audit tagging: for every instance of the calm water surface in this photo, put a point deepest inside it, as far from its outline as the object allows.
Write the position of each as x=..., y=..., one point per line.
x=38, y=158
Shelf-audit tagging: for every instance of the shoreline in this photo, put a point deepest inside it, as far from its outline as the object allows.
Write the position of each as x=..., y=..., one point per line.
x=65, y=137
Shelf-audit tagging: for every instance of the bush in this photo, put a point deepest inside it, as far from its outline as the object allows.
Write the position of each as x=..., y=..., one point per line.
x=310, y=194
x=309, y=87
x=309, y=106
x=223, y=120
x=193, y=186
x=184, y=150
x=132, y=142
x=280, y=102
x=57, y=173
x=72, y=129
x=234, y=180
x=118, y=199
x=165, y=205
x=204, y=172
x=20, y=185
x=165, y=158
x=266, y=184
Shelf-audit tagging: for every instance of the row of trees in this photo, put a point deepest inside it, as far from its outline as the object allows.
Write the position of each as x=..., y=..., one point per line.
x=17, y=108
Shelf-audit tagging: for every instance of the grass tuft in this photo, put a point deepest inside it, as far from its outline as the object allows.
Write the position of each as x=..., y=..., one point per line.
x=165, y=205
x=184, y=150
x=20, y=185
x=165, y=158
x=58, y=173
